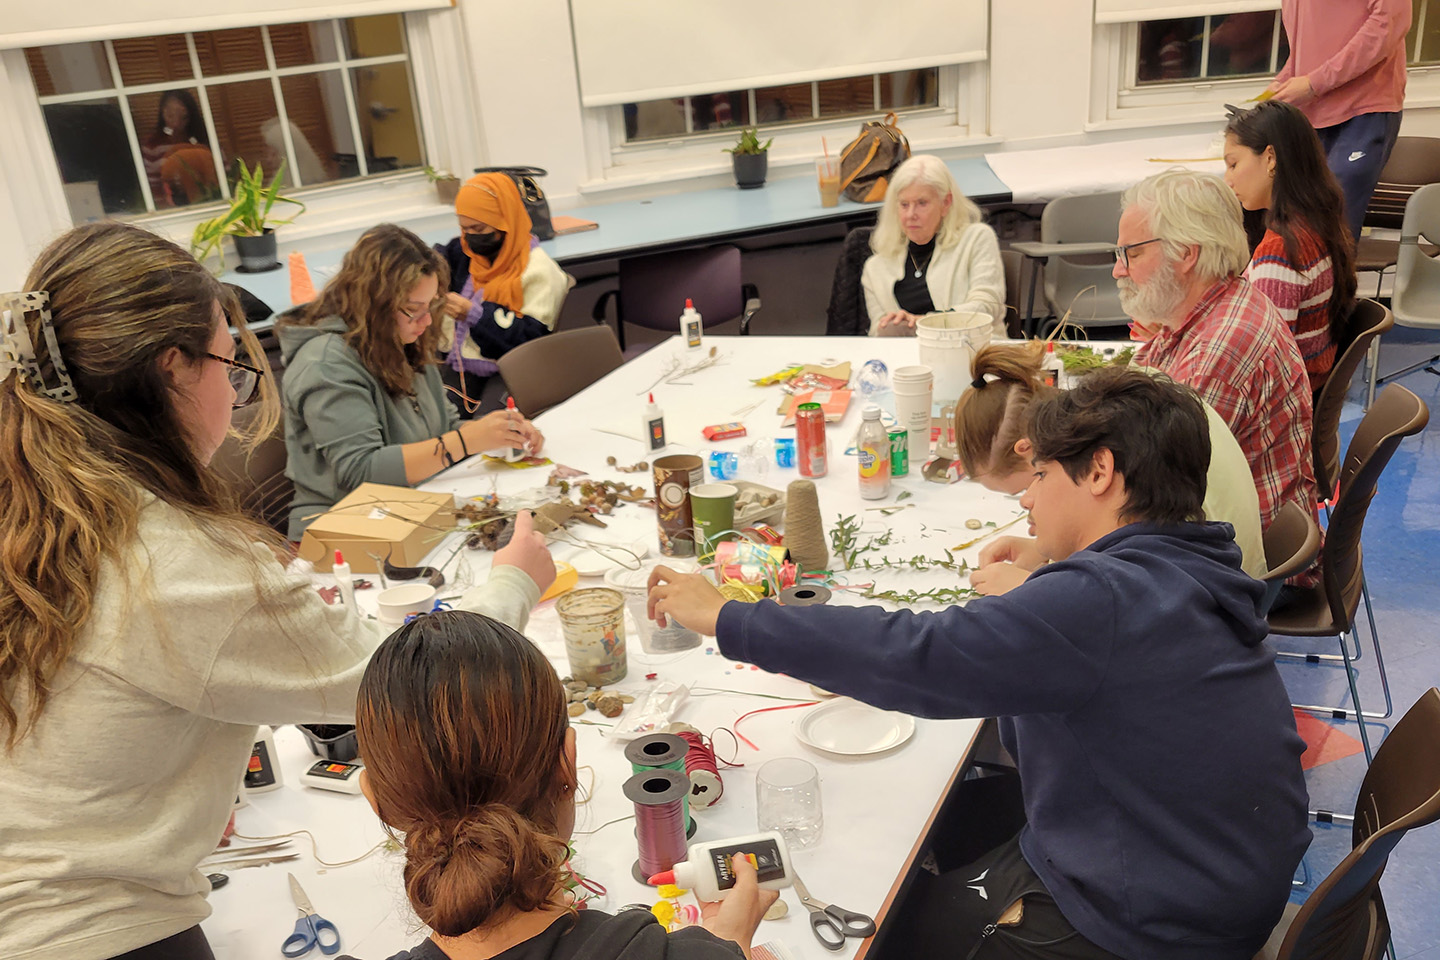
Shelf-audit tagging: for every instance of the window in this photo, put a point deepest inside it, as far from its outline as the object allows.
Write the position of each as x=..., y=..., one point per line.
x=774, y=106
x=1423, y=43
x=148, y=124
x=1225, y=46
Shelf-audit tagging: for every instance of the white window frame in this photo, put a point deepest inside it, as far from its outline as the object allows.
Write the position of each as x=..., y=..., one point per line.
x=449, y=131
x=962, y=117
x=1117, y=102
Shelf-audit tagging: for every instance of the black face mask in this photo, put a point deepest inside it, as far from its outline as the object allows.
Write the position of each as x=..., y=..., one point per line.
x=485, y=244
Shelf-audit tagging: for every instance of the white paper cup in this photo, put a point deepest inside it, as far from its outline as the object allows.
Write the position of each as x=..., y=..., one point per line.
x=913, y=400
x=398, y=602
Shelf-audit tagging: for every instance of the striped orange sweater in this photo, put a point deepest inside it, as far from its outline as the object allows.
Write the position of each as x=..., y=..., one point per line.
x=1301, y=292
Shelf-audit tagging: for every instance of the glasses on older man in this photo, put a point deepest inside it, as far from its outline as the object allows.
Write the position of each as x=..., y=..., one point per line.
x=244, y=378
x=1122, y=252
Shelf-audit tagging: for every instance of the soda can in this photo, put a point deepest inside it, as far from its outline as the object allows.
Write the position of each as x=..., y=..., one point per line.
x=899, y=452
x=810, y=439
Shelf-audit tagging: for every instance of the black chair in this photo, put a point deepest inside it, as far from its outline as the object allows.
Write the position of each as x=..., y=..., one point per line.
x=653, y=291
x=847, y=315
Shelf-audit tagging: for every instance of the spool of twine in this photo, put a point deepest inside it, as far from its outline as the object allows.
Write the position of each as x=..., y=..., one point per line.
x=804, y=531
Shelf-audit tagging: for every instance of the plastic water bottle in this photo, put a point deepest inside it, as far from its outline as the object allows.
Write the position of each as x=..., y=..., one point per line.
x=873, y=385
x=874, y=447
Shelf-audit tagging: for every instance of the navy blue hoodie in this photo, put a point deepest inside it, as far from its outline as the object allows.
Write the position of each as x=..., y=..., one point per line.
x=1157, y=749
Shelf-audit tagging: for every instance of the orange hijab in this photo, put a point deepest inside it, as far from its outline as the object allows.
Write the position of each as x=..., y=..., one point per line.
x=493, y=199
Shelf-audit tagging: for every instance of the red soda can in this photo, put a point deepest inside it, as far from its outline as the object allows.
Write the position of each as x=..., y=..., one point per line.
x=810, y=439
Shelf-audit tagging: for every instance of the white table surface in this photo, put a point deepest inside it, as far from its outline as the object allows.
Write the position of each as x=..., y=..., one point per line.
x=1039, y=176
x=876, y=808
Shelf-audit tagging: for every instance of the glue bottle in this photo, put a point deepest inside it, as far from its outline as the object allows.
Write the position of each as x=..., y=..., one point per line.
x=262, y=773
x=516, y=453
x=654, y=431
x=344, y=580
x=690, y=325
x=1053, y=367
x=874, y=446
x=706, y=868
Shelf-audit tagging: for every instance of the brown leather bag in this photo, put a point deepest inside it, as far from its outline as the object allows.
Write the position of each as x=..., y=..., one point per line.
x=868, y=161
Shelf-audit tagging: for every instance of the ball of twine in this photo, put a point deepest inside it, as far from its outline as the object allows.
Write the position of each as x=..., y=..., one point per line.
x=804, y=531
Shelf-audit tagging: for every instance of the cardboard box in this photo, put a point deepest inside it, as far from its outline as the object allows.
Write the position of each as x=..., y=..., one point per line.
x=377, y=519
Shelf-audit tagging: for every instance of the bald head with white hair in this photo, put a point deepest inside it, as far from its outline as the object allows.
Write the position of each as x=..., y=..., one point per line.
x=1185, y=233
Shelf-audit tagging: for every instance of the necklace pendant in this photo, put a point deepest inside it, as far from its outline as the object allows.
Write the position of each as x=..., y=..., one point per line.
x=917, y=274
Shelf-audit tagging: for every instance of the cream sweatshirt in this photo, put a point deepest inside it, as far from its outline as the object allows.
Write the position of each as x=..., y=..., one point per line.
x=127, y=779
x=966, y=276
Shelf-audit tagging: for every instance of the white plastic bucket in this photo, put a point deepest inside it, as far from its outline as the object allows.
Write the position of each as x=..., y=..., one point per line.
x=948, y=342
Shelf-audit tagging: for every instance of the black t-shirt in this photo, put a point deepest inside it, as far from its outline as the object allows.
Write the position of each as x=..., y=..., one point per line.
x=592, y=935
x=910, y=291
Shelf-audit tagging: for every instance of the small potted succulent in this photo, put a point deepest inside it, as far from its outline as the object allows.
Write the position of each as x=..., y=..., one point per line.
x=750, y=158
x=248, y=221
x=447, y=185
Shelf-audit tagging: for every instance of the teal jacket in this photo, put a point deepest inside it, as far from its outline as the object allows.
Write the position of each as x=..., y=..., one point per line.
x=342, y=428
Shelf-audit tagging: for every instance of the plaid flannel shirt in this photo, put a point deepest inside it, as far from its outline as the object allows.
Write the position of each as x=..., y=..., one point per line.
x=1240, y=356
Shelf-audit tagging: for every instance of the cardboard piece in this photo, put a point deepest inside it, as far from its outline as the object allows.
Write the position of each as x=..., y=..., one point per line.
x=379, y=519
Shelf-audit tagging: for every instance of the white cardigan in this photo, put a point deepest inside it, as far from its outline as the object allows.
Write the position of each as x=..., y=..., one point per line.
x=129, y=774
x=968, y=276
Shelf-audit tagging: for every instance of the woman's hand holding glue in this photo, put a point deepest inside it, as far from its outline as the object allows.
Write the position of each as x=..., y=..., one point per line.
x=738, y=916
x=499, y=432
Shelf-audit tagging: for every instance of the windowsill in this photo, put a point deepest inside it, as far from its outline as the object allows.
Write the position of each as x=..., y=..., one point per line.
x=720, y=171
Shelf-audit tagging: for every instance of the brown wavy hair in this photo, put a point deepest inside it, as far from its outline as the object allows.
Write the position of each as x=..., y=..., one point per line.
x=73, y=473
x=374, y=281
x=462, y=725
x=989, y=419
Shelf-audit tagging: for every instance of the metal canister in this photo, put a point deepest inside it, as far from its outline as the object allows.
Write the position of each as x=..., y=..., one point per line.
x=810, y=439
x=899, y=452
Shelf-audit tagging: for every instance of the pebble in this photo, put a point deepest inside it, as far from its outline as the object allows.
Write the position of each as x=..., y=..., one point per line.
x=974, y=524
x=626, y=698
x=777, y=910
x=577, y=686
x=590, y=704
x=610, y=705
x=577, y=696
x=576, y=709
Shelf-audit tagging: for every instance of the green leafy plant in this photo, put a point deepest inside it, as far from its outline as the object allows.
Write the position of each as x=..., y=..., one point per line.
x=249, y=215
x=434, y=175
x=749, y=142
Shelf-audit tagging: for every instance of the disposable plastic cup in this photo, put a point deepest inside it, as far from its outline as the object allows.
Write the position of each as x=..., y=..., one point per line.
x=787, y=799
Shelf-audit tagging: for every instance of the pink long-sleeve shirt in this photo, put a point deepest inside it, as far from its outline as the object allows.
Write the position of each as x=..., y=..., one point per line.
x=1353, y=52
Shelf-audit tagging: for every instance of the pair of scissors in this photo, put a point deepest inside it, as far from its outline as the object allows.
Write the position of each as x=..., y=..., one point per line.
x=311, y=930
x=832, y=924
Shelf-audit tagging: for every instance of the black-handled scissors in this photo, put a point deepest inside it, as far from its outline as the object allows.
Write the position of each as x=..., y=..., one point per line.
x=832, y=924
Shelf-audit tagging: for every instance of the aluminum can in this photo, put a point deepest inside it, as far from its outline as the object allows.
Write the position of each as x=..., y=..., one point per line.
x=810, y=439
x=899, y=453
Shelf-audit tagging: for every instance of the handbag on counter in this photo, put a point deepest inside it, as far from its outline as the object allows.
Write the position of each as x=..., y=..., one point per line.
x=868, y=161
x=527, y=179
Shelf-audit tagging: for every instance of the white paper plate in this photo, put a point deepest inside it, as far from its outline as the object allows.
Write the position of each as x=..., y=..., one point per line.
x=852, y=728
x=592, y=562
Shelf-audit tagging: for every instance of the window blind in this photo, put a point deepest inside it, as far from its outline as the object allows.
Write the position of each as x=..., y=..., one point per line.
x=635, y=50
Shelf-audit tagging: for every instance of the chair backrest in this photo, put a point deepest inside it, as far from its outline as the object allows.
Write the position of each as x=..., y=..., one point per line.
x=1397, y=413
x=1367, y=321
x=1292, y=541
x=1416, y=299
x=653, y=289
x=1344, y=919
x=553, y=368
x=1414, y=162
x=1083, y=219
x=846, y=314
x=257, y=477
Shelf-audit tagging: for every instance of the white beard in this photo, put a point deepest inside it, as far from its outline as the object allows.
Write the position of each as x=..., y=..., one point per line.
x=1156, y=300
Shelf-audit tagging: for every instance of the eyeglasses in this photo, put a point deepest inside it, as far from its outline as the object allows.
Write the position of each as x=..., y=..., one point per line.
x=412, y=317
x=1122, y=253
x=244, y=378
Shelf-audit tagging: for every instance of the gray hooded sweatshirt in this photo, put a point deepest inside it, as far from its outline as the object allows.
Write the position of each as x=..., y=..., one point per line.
x=342, y=428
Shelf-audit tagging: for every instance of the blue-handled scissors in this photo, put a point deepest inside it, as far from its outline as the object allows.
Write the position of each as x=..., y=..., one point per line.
x=832, y=924
x=311, y=930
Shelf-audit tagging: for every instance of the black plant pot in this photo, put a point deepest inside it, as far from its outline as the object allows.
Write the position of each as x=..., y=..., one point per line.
x=750, y=169
x=257, y=254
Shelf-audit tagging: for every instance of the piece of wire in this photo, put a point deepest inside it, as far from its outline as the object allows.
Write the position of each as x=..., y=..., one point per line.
x=591, y=833
x=315, y=847
x=735, y=728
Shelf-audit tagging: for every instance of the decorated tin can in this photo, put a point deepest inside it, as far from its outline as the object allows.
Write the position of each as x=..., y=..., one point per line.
x=810, y=439
x=899, y=452
x=674, y=476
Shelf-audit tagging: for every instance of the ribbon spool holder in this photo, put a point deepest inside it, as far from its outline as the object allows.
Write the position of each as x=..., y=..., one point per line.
x=662, y=751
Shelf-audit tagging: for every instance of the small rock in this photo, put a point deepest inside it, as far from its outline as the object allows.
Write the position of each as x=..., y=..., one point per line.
x=626, y=698
x=590, y=704
x=576, y=709
x=595, y=694
x=577, y=685
x=610, y=705
x=777, y=910
x=577, y=696
x=974, y=524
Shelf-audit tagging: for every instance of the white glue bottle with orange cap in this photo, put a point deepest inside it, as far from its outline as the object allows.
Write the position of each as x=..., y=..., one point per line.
x=691, y=326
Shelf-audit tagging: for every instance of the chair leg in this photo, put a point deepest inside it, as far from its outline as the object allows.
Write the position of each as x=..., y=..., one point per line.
x=1345, y=713
x=1373, y=371
x=1427, y=365
x=1036, y=266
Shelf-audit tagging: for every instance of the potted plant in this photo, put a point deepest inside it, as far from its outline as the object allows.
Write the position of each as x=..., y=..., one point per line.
x=248, y=220
x=447, y=185
x=750, y=158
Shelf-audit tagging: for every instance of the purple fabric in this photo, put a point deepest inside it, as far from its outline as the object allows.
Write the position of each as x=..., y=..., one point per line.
x=458, y=361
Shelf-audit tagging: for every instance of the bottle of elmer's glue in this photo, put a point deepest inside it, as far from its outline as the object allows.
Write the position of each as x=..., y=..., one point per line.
x=654, y=423
x=707, y=867
x=344, y=580
x=690, y=325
